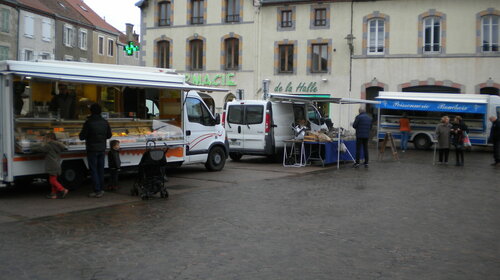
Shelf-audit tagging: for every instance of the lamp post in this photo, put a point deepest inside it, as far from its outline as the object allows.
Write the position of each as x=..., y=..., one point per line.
x=265, y=88
x=350, y=42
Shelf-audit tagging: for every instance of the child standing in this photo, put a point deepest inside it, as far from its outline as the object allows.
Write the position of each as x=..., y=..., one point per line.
x=52, y=150
x=114, y=164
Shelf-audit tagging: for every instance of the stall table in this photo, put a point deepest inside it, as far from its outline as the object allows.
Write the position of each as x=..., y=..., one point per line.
x=327, y=152
x=294, y=153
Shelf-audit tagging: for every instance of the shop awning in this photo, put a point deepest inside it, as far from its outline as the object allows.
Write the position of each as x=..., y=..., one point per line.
x=335, y=100
x=305, y=98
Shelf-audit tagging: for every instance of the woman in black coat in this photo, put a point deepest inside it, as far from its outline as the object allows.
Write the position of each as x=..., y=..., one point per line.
x=457, y=139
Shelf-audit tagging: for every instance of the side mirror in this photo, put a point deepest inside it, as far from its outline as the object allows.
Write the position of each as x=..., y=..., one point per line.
x=217, y=118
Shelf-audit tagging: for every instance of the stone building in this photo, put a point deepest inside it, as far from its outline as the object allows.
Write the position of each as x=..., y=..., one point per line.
x=334, y=48
x=36, y=38
x=8, y=30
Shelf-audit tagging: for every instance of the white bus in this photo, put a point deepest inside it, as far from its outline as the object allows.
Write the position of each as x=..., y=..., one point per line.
x=426, y=109
x=139, y=103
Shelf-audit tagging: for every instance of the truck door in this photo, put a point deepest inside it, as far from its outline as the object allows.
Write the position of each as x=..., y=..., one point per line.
x=234, y=121
x=200, y=129
x=313, y=115
x=254, y=128
x=2, y=134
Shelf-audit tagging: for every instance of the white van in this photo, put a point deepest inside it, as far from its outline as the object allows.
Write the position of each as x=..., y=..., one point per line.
x=140, y=103
x=258, y=127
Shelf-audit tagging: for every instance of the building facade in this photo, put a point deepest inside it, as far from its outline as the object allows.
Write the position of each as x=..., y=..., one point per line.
x=36, y=38
x=74, y=40
x=8, y=30
x=332, y=48
x=213, y=45
x=104, y=36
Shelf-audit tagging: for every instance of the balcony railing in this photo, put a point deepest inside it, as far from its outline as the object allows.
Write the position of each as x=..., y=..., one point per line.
x=320, y=22
x=287, y=23
x=164, y=22
x=196, y=20
x=232, y=18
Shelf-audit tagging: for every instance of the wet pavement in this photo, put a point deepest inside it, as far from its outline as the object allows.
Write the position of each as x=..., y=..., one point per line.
x=255, y=220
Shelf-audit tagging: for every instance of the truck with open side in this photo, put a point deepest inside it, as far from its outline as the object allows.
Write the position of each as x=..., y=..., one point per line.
x=140, y=104
x=426, y=109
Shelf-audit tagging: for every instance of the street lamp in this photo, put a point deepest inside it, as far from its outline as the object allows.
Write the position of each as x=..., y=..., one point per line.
x=350, y=42
x=265, y=88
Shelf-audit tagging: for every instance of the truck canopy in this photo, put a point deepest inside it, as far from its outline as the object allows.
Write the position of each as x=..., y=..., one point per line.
x=100, y=74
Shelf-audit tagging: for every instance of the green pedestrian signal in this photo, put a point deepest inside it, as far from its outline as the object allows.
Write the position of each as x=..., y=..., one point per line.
x=130, y=48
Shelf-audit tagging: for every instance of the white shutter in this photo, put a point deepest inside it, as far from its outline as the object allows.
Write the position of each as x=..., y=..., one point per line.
x=46, y=30
x=28, y=26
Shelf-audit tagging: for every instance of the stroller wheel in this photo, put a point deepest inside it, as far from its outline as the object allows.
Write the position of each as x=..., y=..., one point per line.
x=134, y=192
x=164, y=194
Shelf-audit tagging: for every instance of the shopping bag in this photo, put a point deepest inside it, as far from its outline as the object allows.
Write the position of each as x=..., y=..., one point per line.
x=466, y=139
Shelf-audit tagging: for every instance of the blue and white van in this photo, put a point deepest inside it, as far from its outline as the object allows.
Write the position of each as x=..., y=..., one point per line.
x=426, y=109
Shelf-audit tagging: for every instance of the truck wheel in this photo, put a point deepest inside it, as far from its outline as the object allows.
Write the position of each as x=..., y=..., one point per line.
x=235, y=156
x=73, y=174
x=422, y=142
x=216, y=159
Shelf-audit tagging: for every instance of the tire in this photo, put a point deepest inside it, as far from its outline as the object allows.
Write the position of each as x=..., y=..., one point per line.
x=73, y=174
x=235, y=156
x=422, y=142
x=216, y=159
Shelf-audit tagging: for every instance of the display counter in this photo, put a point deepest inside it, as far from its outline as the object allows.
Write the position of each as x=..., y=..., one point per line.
x=427, y=122
x=130, y=132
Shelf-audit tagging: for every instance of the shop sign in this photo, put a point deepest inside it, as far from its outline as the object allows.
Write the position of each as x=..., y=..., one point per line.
x=300, y=87
x=433, y=106
x=211, y=79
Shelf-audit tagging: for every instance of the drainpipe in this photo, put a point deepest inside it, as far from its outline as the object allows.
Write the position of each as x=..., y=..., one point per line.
x=351, y=51
x=18, y=31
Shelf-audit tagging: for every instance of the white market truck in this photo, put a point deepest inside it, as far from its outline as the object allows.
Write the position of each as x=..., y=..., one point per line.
x=140, y=104
x=426, y=109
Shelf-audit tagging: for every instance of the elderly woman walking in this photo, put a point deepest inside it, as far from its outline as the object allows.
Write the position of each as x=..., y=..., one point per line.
x=458, y=130
x=443, y=137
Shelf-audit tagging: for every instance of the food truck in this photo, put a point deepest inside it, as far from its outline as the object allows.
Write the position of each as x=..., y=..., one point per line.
x=426, y=109
x=141, y=105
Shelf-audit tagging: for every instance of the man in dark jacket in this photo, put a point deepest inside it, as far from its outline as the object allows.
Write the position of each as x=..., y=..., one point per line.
x=95, y=132
x=495, y=139
x=363, y=126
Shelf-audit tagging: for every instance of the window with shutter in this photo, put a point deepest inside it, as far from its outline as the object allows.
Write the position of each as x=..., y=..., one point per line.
x=28, y=26
x=46, y=30
x=5, y=21
x=4, y=53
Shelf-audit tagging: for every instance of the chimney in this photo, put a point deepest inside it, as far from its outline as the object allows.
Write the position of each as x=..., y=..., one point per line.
x=129, y=31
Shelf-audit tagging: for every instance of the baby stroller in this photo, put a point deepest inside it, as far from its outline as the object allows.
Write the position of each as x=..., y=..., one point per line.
x=151, y=175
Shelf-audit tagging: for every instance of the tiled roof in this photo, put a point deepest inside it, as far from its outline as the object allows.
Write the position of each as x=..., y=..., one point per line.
x=268, y=2
x=65, y=10
x=92, y=16
x=35, y=4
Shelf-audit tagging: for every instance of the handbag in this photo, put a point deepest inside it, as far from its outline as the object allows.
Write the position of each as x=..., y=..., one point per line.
x=467, y=143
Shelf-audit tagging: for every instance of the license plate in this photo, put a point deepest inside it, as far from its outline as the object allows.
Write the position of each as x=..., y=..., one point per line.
x=235, y=143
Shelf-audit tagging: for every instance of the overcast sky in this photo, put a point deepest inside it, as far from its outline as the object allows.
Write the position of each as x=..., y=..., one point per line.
x=117, y=12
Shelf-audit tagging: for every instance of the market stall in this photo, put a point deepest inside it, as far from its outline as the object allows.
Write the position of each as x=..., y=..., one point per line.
x=336, y=134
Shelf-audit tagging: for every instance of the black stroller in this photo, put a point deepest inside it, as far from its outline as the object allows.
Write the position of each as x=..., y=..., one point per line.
x=151, y=176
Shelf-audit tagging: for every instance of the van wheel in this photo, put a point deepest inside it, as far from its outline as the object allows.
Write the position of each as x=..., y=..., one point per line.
x=235, y=156
x=72, y=175
x=216, y=159
x=422, y=142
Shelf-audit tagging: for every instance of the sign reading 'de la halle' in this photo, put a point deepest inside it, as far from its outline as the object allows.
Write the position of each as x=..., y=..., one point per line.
x=300, y=87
